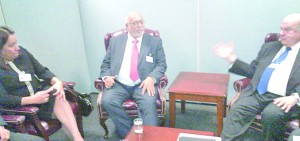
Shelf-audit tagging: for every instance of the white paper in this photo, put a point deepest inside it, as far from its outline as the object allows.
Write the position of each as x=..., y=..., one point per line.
x=200, y=137
x=296, y=138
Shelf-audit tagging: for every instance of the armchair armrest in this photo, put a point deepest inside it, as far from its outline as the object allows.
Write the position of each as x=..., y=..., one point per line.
x=13, y=119
x=70, y=84
x=99, y=85
x=24, y=110
x=28, y=111
x=241, y=84
x=70, y=96
x=238, y=86
x=163, y=82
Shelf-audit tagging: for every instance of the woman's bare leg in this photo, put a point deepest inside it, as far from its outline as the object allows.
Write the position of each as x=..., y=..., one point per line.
x=64, y=113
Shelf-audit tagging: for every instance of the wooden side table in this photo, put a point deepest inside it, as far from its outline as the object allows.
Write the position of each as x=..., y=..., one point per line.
x=202, y=87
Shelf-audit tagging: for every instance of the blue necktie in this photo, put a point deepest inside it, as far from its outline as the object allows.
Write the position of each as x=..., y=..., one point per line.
x=264, y=80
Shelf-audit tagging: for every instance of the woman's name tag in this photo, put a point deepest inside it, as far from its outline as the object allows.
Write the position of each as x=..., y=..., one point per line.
x=24, y=77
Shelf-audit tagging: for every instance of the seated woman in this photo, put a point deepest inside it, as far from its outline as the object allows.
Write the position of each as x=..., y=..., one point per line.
x=20, y=75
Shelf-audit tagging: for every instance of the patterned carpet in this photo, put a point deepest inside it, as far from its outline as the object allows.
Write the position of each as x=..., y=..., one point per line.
x=197, y=117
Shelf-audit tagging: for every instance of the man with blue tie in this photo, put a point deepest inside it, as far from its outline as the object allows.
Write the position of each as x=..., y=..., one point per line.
x=274, y=88
x=132, y=66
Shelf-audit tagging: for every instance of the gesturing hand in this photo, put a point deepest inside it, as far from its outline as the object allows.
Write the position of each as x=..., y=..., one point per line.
x=226, y=51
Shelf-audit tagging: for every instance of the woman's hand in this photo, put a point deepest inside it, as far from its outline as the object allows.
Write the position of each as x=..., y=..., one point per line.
x=41, y=96
x=38, y=98
x=59, y=87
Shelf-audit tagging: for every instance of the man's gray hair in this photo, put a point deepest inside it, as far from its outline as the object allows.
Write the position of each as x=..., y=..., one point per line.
x=131, y=15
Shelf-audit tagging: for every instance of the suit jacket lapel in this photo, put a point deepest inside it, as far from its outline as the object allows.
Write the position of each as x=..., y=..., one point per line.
x=145, y=47
x=122, y=47
x=296, y=65
x=271, y=53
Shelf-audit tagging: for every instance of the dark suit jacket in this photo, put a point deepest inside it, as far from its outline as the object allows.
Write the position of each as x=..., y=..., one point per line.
x=150, y=45
x=258, y=65
x=11, y=89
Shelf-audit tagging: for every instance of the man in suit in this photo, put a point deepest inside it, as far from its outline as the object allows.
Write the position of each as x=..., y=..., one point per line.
x=6, y=135
x=274, y=88
x=133, y=64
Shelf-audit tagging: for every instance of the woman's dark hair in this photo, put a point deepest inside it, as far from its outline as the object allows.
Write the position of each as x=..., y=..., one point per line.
x=4, y=33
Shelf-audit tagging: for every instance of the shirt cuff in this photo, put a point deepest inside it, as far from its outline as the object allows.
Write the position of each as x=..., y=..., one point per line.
x=154, y=79
x=298, y=98
x=103, y=78
x=230, y=66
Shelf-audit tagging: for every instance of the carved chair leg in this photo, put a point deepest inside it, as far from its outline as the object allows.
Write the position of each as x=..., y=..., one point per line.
x=102, y=123
x=79, y=123
x=39, y=128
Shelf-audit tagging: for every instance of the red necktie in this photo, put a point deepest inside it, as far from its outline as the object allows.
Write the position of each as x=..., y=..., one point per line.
x=134, y=75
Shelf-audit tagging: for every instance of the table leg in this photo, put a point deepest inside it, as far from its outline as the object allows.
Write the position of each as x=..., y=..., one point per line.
x=172, y=107
x=225, y=107
x=182, y=106
x=220, y=115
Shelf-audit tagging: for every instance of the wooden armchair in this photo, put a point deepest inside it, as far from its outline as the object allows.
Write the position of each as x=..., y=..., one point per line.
x=33, y=125
x=130, y=105
x=239, y=85
x=16, y=122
